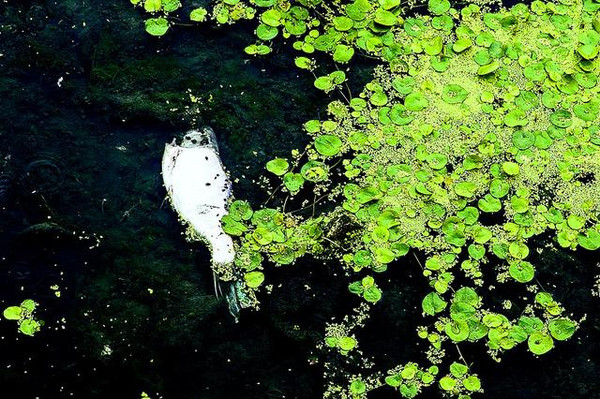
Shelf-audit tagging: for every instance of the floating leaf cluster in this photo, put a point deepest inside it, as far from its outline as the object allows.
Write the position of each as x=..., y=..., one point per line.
x=477, y=139
x=23, y=315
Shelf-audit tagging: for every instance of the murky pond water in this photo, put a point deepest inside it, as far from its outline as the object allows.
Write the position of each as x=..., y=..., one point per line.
x=88, y=102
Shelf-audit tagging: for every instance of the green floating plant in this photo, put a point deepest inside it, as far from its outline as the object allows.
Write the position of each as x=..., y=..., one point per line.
x=479, y=131
x=24, y=316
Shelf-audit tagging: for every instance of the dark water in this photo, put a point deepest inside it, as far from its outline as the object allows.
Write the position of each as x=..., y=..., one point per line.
x=88, y=101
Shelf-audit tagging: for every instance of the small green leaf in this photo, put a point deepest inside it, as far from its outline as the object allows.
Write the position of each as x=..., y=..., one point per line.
x=304, y=63
x=535, y=71
x=540, y=343
x=510, y=168
x=458, y=369
x=254, y=279
x=278, y=166
x=385, y=18
x=587, y=111
x=518, y=249
x=271, y=17
x=461, y=45
x=499, y=188
x=28, y=305
x=489, y=204
x=447, y=383
x=157, y=26
x=515, y=117
x=357, y=387
x=12, y=313
x=343, y=53
x=346, y=343
x=562, y=329
x=29, y=327
x=522, y=271
x=328, y=145
x=437, y=161
x=472, y=383
x=324, y=83
x=457, y=331
x=561, y=118
x=293, y=182
x=415, y=101
x=438, y=7
x=454, y=94
x=152, y=5
x=465, y=189
x=198, y=14
x=433, y=303
x=372, y=294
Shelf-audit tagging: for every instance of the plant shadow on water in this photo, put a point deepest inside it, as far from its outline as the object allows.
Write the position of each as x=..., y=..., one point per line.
x=88, y=109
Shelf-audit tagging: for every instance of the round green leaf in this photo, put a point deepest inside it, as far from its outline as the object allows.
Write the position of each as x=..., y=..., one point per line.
x=447, y=383
x=372, y=294
x=535, y=71
x=562, y=329
x=458, y=369
x=293, y=181
x=438, y=7
x=343, y=53
x=454, y=94
x=400, y=115
x=342, y=23
x=433, y=303
x=587, y=111
x=323, y=83
x=29, y=327
x=266, y=32
x=278, y=166
x=346, y=343
x=488, y=68
x=472, y=383
x=271, y=17
x=457, y=331
x=379, y=99
x=254, y=279
x=510, y=168
x=328, y=145
x=358, y=387
x=518, y=249
x=232, y=226
x=28, y=305
x=515, y=117
x=157, y=26
x=198, y=14
x=385, y=18
x=489, y=204
x=499, y=188
x=522, y=271
x=461, y=45
x=152, y=5
x=523, y=139
x=437, y=161
x=540, y=343
x=314, y=171
x=465, y=189
x=415, y=101
x=12, y=313
x=561, y=118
